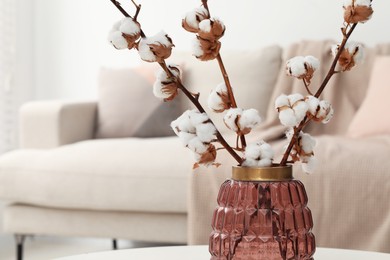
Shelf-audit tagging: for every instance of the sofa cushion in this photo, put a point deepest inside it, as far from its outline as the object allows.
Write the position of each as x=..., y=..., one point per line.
x=142, y=175
x=252, y=73
x=371, y=117
x=128, y=108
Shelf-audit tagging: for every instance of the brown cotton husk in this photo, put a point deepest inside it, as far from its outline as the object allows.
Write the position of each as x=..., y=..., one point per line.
x=169, y=88
x=308, y=75
x=225, y=104
x=216, y=32
x=188, y=27
x=131, y=40
x=161, y=51
x=210, y=49
x=346, y=60
x=209, y=156
x=356, y=14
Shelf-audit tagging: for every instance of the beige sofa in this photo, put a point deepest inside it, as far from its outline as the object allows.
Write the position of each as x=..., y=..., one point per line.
x=64, y=182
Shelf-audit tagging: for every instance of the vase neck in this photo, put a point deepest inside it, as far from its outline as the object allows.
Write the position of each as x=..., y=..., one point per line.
x=276, y=173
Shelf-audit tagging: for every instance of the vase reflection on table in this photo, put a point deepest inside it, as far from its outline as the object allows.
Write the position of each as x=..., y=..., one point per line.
x=262, y=213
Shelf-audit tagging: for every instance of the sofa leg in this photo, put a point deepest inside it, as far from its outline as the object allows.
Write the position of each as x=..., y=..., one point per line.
x=114, y=244
x=19, y=239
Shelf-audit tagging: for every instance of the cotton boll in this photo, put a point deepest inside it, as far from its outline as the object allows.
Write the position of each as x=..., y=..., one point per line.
x=117, y=40
x=193, y=18
x=128, y=26
x=264, y=162
x=266, y=151
x=183, y=123
x=206, y=132
x=197, y=146
x=313, y=104
x=252, y=151
x=282, y=101
x=287, y=117
x=307, y=143
x=185, y=137
x=329, y=116
x=158, y=91
x=357, y=50
x=205, y=25
x=249, y=119
x=296, y=66
x=221, y=87
x=196, y=48
x=197, y=118
x=300, y=110
x=363, y=2
x=144, y=51
x=309, y=165
x=294, y=98
x=215, y=102
x=162, y=38
x=248, y=162
x=312, y=62
x=230, y=118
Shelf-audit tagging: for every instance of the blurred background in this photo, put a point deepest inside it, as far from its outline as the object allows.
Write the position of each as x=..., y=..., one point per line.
x=53, y=49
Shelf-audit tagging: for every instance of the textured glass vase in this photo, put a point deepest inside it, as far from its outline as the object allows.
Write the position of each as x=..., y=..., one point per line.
x=262, y=214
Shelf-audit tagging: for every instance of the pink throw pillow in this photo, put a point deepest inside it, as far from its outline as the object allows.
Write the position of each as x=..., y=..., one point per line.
x=371, y=118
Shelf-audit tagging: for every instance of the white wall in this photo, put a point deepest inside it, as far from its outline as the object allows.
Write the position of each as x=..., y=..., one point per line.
x=70, y=35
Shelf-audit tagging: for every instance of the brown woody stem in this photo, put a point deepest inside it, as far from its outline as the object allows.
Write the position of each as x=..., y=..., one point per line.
x=331, y=72
x=138, y=9
x=307, y=87
x=206, y=6
x=230, y=91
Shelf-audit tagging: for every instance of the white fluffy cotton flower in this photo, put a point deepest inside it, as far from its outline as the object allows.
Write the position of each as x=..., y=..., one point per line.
x=241, y=121
x=129, y=26
x=309, y=164
x=206, y=132
x=258, y=154
x=195, y=125
x=166, y=87
x=307, y=143
x=218, y=100
x=319, y=110
x=352, y=54
x=197, y=50
x=117, y=40
x=302, y=67
x=156, y=47
x=197, y=133
x=292, y=109
x=192, y=19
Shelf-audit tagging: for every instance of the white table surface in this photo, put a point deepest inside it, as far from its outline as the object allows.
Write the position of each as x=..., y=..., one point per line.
x=201, y=252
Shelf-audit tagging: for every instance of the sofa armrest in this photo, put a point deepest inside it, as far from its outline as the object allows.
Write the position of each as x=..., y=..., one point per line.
x=49, y=124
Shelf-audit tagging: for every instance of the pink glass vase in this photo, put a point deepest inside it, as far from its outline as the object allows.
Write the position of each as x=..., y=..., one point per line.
x=262, y=214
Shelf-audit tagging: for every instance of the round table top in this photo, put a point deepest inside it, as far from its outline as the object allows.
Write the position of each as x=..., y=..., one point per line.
x=201, y=252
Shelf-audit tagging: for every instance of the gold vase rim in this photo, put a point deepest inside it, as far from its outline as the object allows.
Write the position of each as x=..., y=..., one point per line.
x=272, y=173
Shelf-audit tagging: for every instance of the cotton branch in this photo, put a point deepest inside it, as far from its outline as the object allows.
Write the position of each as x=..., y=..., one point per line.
x=226, y=79
x=330, y=74
x=190, y=96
